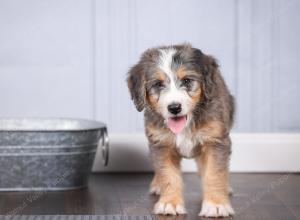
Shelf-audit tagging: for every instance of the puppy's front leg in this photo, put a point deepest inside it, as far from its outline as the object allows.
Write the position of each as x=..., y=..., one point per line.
x=167, y=166
x=215, y=177
x=154, y=186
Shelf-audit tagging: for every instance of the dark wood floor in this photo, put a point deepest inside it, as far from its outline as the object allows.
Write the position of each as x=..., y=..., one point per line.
x=256, y=196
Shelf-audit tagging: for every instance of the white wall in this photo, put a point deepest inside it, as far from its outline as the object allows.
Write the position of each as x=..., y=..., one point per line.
x=69, y=57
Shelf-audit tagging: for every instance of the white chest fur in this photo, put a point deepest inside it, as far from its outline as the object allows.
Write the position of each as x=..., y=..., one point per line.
x=186, y=141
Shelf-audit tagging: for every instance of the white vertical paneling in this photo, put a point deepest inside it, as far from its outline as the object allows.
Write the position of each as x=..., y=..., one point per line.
x=255, y=62
x=243, y=60
x=262, y=64
x=45, y=58
x=115, y=53
x=268, y=76
x=287, y=85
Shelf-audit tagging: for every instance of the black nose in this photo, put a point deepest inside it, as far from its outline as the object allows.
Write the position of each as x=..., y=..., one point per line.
x=174, y=108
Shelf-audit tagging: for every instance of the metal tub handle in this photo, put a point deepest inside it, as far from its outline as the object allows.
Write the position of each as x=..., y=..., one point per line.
x=105, y=147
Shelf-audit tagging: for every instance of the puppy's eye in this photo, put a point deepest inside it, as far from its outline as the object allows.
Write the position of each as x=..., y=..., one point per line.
x=158, y=85
x=186, y=82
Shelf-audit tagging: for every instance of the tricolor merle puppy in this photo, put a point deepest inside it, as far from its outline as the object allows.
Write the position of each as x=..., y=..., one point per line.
x=188, y=113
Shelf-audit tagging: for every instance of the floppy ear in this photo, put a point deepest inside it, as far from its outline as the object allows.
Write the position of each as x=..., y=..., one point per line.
x=210, y=67
x=136, y=85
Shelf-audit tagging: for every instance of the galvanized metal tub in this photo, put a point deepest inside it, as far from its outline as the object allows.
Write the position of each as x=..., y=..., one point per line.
x=48, y=154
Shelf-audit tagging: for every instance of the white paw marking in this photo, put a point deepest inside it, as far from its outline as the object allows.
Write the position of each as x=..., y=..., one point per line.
x=216, y=210
x=180, y=209
x=154, y=190
x=161, y=208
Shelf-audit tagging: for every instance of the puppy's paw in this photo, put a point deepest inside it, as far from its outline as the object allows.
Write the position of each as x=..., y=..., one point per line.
x=216, y=210
x=154, y=190
x=169, y=208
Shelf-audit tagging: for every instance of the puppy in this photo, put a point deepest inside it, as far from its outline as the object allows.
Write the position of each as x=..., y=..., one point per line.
x=188, y=113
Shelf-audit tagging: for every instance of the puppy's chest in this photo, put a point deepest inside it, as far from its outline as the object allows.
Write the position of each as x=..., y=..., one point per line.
x=188, y=143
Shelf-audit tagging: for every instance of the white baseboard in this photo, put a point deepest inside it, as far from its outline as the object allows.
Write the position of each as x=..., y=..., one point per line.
x=252, y=152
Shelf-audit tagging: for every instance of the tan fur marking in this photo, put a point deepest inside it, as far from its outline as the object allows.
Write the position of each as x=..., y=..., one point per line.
x=213, y=128
x=170, y=178
x=160, y=76
x=155, y=184
x=195, y=96
x=209, y=133
x=181, y=73
x=161, y=135
x=214, y=178
x=152, y=99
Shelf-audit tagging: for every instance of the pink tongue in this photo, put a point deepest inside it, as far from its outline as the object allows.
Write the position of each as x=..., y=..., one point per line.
x=176, y=124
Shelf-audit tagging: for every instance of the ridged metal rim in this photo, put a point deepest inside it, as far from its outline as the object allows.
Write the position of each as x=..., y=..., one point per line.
x=28, y=189
x=93, y=125
x=105, y=147
x=50, y=154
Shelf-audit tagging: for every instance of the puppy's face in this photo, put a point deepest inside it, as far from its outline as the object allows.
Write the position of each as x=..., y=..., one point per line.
x=171, y=81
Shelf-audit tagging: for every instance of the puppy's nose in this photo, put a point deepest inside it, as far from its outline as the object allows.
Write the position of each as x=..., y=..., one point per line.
x=174, y=108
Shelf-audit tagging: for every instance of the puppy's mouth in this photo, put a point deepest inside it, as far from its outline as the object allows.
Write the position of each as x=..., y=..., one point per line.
x=177, y=124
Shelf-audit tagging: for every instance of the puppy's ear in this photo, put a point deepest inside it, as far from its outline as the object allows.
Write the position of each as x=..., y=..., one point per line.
x=136, y=85
x=210, y=67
